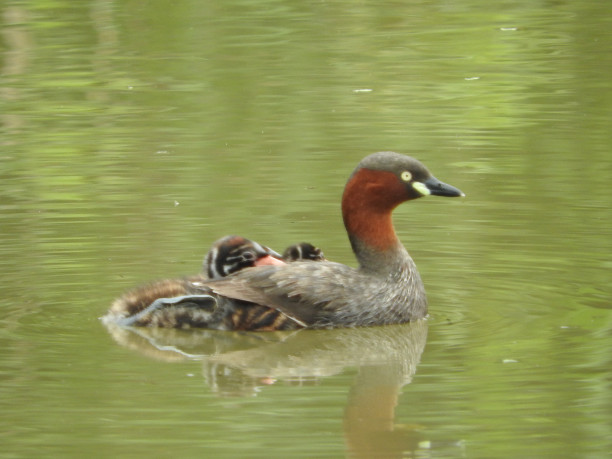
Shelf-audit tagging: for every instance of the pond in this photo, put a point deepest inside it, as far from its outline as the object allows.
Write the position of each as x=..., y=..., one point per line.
x=134, y=134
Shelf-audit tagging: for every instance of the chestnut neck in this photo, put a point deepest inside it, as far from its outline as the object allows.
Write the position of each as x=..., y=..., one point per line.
x=367, y=204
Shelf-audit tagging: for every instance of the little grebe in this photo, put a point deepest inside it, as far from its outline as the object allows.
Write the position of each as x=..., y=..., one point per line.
x=386, y=287
x=175, y=303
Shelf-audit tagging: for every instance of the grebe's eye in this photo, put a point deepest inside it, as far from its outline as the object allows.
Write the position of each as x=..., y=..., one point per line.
x=249, y=255
x=406, y=176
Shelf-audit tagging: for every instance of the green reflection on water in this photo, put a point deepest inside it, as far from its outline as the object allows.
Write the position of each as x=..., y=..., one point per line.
x=135, y=134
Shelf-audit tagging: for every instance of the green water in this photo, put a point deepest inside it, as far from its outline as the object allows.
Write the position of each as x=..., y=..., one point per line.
x=134, y=134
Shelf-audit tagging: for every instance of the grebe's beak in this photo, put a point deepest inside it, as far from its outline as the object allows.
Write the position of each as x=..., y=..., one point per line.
x=270, y=258
x=435, y=187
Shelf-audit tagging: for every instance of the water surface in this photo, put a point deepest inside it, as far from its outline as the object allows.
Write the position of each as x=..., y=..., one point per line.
x=134, y=134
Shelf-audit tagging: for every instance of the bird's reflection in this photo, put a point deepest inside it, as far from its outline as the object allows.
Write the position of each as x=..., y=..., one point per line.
x=239, y=364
